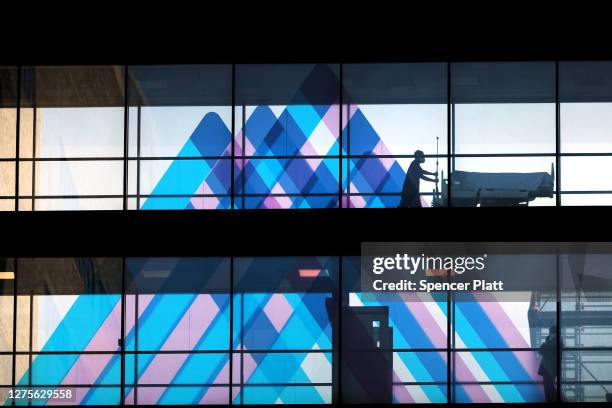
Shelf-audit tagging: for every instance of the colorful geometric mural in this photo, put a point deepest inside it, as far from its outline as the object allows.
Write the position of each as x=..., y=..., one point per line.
x=288, y=321
x=286, y=156
x=419, y=321
x=168, y=322
x=281, y=347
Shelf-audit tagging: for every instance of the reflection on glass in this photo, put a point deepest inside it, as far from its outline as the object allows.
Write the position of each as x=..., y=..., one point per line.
x=72, y=306
x=177, y=329
x=290, y=313
x=67, y=113
x=178, y=113
x=503, y=181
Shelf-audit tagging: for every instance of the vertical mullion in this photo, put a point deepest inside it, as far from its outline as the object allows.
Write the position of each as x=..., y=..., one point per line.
x=125, y=136
x=15, y=266
x=242, y=345
x=30, y=344
x=136, y=354
x=558, y=137
x=340, y=116
x=450, y=135
x=138, y=129
x=231, y=305
x=17, y=128
x=558, y=318
x=449, y=343
x=232, y=157
x=348, y=155
x=243, y=178
x=338, y=341
x=122, y=339
x=34, y=119
x=14, y=373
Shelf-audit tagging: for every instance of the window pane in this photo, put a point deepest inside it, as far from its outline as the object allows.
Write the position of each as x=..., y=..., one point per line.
x=586, y=127
x=586, y=199
x=499, y=393
x=287, y=395
x=585, y=375
x=419, y=394
x=8, y=111
x=381, y=182
x=181, y=396
x=67, y=178
x=203, y=183
x=586, y=173
x=503, y=181
x=586, y=307
x=379, y=330
x=72, y=304
x=503, y=107
x=77, y=111
x=482, y=321
x=180, y=110
x=178, y=325
x=504, y=128
x=290, y=313
x=285, y=112
x=7, y=282
x=7, y=179
x=395, y=108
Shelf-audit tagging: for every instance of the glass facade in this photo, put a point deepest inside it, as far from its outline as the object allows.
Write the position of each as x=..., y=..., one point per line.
x=265, y=136
x=210, y=330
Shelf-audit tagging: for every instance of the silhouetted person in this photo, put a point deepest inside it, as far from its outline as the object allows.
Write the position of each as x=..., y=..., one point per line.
x=548, y=365
x=411, y=197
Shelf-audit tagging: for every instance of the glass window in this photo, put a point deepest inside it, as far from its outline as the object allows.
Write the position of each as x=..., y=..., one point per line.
x=177, y=327
x=286, y=141
x=7, y=280
x=394, y=344
x=8, y=131
x=585, y=96
x=72, y=130
x=586, y=323
x=283, y=330
x=178, y=114
x=391, y=111
x=506, y=111
x=69, y=326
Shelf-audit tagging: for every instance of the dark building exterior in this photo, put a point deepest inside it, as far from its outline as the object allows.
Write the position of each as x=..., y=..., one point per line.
x=191, y=233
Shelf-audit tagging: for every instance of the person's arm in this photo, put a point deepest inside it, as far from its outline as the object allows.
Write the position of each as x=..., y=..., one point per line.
x=429, y=173
x=429, y=179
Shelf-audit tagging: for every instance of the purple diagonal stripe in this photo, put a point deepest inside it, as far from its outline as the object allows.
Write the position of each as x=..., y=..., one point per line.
x=429, y=326
x=164, y=367
x=475, y=393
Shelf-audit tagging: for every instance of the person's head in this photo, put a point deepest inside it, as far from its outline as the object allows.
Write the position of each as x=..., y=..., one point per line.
x=552, y=330
x=419, y=156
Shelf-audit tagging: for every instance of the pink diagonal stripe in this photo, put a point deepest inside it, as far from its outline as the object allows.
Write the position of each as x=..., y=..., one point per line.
x=511, y=336
x=88, y=367
x=426, y=321
x=164, y=367
x=475, y=393
x=216, y=395
x=402, y=395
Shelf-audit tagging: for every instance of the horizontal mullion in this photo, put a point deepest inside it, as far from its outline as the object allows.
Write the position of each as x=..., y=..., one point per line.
x=460, y=155
x=323, y=384
x=496, y=382
x=69, y=159
x=299, y=156
x=577, y=192
x=68, y=197
x=595, y=348
x=585, y=154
